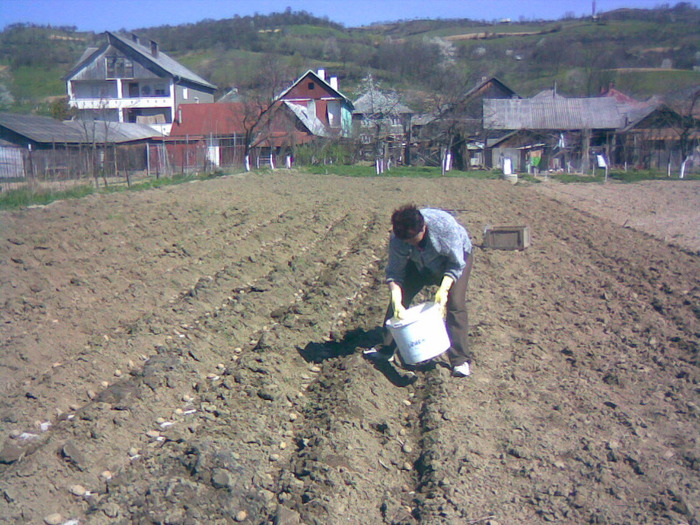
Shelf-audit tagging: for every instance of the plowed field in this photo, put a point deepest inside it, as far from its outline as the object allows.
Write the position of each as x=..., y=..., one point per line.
x=192, y=354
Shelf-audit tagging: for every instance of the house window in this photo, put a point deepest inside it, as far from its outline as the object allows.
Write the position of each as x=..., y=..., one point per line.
x=119, y=67
x=101, y=91
x=334, y=113
x=132, y=115
x=185, y=93
x=160, y=91
x=312, y=86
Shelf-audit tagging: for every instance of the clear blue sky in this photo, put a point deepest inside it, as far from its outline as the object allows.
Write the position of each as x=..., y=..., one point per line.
x=113, y=15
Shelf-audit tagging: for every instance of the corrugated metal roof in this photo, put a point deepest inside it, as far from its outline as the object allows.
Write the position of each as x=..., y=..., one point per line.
x=162, y=60
x=548, y=93
x=47, y=130
x=553, y=113
x=40, y=129
x=112, y=132
x=375, y=101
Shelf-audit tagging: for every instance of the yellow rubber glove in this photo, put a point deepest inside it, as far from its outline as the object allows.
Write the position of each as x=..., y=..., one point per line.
x=396, y=298
x=443, y=291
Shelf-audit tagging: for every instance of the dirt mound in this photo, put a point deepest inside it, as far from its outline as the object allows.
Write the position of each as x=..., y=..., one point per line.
x=193, y=355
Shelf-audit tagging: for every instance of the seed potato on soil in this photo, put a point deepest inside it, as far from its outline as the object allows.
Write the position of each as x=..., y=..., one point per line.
x=235, y=311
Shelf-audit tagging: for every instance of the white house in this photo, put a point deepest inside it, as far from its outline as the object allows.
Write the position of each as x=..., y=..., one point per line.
x=128, y=79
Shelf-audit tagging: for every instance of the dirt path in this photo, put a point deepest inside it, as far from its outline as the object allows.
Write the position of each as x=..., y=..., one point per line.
x=192, y=355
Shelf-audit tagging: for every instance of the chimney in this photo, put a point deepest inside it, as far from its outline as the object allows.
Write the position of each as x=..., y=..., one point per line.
x=134, y=38
x=322, y=74
x=154, y=48
x=334, y=83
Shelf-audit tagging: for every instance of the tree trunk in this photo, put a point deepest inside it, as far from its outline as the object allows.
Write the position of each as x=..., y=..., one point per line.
x=585, y=150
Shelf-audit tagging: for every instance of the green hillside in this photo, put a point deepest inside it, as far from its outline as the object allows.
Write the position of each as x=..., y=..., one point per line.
x=644, y=52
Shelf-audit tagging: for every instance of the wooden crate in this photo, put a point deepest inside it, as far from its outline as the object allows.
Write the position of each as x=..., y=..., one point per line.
x=507, y=237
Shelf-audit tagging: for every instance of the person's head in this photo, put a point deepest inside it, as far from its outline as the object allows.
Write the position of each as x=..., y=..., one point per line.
x=408, y=224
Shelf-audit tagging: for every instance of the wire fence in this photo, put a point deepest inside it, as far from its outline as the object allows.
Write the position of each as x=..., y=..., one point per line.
x=64, y=168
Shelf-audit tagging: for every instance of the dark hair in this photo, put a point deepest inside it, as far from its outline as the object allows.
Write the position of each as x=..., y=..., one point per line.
x=407, y=221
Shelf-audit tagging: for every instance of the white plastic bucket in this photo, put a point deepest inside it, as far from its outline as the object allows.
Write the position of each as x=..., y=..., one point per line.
x=421, y=334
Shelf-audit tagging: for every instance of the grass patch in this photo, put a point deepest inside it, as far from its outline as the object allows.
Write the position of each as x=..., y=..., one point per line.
x=32, y=197
x=161, y=182
x=400, y=171
x=37, y=82
x=311, y=31
x=651, y=81
x=640, y=175
x=631, y=176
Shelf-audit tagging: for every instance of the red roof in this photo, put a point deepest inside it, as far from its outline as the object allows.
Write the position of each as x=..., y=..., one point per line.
x=622, y=98
x=210, y=119
x=235, y=118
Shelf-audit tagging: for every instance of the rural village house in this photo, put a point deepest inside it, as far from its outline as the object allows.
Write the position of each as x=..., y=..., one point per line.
x=37, y=146
x=458, y=126
x=312, y=97
x=129, y=80
x=382, y=125
x=566, y=126
x=222, y=133
x=652, y=138
x=128, y=93
x=552, y=132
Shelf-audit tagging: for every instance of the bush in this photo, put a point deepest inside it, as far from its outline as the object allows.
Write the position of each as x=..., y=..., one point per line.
x=323, y=152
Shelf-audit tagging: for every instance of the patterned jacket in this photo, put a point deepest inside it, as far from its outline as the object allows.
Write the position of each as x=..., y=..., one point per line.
x=442, y=252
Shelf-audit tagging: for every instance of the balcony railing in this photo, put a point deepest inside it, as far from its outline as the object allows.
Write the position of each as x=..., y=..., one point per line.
x=121, y=103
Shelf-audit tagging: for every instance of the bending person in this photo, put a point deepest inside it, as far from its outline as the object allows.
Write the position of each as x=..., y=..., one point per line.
x=429, y=247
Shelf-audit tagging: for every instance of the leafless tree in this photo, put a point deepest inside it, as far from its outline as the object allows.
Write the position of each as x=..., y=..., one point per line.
x=259, y=99
x=449, y=87
x=383, y=115
x=97, y=130
x=685, y=125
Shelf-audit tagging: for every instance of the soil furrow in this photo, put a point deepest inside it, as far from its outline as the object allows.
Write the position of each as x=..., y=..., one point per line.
x=154, y=408
x=235, y=310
